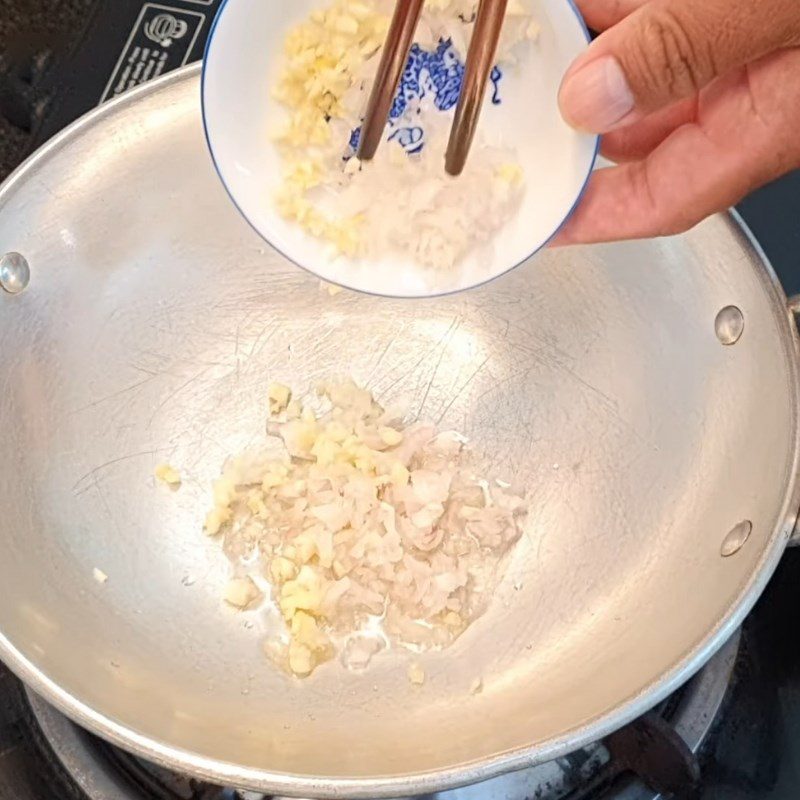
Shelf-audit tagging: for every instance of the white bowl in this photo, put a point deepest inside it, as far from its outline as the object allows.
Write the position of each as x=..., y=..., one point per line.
x=242, y=64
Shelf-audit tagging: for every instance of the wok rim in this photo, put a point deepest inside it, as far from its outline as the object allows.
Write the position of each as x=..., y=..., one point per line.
x=421, y=783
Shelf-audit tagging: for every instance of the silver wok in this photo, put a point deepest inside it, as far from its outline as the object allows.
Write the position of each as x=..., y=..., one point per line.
x=152, y=324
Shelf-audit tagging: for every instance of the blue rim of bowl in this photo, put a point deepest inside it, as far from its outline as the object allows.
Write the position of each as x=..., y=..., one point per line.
x=433, y=296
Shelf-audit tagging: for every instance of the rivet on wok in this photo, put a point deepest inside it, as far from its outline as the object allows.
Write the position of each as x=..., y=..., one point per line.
x=738, y=535
x=729, y=325
x=15, y=274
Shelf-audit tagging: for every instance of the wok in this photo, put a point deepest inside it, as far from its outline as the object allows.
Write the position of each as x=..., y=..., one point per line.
x=645, y=393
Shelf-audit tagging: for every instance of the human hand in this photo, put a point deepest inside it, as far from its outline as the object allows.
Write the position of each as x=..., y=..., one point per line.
x=699, y=101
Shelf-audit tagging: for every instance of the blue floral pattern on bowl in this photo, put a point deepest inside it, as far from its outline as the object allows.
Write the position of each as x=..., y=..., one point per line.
x=438, y=74
x=410, y=139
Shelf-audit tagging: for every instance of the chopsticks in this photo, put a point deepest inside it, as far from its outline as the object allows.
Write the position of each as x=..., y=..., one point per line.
x=478, y=67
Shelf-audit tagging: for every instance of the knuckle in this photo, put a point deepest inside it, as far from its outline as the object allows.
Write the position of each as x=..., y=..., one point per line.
x=679, y=222
x=667, y=61
x=685, y=216
x=665, y=218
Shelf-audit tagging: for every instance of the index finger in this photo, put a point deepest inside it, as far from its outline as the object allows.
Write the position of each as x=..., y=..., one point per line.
x=602, y=14
x=685, y=179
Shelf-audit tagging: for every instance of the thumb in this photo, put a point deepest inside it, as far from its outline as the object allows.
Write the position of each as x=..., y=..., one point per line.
x=667, y=50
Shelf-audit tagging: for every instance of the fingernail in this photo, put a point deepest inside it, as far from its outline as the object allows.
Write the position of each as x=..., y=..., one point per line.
x=596, y=97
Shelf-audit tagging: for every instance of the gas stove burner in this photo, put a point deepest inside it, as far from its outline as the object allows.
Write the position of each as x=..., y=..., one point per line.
x=655, y=753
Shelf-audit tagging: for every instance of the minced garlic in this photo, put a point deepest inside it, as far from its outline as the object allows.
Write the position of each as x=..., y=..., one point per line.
x=279, y=396
x=416, y=673
x=322, y=57
x=167, y=474
x=242, y=593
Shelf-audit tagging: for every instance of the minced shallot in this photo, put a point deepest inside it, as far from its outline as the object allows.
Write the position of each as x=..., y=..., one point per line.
x=368, y=531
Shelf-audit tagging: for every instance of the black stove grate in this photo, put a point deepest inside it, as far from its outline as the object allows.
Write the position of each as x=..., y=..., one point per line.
x=36, y=40
x=61, y=58
x=649, y=749
x=29, y=768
